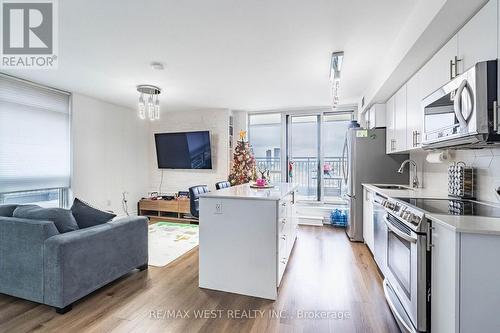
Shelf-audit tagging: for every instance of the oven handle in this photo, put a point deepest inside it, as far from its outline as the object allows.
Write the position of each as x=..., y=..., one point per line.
x=398, y=232
x=386, y=286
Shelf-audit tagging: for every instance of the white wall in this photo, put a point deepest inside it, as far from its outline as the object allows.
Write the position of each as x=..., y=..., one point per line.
x=110, y=154
x=487, y=162
x=217, y=122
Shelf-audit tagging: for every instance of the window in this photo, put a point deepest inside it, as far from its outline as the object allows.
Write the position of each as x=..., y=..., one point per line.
x=44, y=198
x=265, y=138
x=34, y=142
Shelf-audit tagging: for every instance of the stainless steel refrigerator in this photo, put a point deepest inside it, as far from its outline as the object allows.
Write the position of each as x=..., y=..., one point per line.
x=365, y=161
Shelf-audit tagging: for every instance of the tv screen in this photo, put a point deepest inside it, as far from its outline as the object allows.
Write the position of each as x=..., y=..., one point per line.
x=183, y=150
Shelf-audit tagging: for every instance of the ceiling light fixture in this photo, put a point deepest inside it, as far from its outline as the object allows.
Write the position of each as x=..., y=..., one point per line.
x=335, y=69
x=150, y=105
x=157, y=66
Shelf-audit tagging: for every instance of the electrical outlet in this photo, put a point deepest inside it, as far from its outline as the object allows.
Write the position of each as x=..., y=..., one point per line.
x=218, y=208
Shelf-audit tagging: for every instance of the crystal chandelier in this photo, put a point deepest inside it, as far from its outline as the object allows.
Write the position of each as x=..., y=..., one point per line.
x=149, y=102
x=335, y=69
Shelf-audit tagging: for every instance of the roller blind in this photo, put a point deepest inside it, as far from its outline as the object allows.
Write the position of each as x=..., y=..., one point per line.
x=34, y=136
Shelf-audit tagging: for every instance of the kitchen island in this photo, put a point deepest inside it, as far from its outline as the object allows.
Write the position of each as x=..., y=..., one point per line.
x=246, y=237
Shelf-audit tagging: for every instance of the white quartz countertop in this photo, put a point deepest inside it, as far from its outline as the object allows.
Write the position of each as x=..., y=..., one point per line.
x=279, y=191
x=464, y=224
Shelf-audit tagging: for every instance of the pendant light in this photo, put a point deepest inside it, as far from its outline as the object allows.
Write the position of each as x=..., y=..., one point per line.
x=149, y=102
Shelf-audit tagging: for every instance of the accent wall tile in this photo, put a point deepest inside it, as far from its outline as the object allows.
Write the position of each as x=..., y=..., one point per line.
x=482, y=162
x=483, y=152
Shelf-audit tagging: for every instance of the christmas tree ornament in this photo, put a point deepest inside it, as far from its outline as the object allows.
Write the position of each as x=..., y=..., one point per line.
x=243, y=169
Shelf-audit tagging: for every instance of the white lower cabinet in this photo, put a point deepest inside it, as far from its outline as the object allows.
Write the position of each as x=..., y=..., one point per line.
x=368, y=231
x=444, y=279
x=465, y=287
x=287, y=232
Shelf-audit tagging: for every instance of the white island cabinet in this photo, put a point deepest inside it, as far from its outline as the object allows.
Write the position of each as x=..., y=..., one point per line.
x=246, y=238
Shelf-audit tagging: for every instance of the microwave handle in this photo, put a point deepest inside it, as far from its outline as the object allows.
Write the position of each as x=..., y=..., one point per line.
x=458, y=104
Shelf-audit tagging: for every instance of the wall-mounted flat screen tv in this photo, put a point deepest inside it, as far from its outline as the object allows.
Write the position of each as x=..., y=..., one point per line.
x=183, y=150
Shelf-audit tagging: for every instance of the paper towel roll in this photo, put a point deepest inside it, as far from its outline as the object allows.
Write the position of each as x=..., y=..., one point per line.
x=437, y=157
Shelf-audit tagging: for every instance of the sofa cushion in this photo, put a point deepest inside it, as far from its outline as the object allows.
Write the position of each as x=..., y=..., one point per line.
x=7, y=210
x=88, y=216
x=62, y=218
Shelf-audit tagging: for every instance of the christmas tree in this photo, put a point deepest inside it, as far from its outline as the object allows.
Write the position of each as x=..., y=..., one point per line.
x=243, y=169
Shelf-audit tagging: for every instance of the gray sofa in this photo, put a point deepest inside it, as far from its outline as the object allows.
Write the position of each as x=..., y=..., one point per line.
x=40, y=264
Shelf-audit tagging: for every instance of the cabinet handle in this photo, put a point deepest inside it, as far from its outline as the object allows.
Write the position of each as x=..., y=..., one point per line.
x=413, y=137
x=283, y=237
x=456, y=65
x=283, y=221
x=495, y=116
x=417, y=135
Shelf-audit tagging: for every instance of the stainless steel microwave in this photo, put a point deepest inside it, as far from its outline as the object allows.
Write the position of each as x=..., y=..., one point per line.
x=464, y=113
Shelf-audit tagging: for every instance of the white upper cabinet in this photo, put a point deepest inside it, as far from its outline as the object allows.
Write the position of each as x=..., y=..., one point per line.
x=436, y=72
x=400, y=119
x=414, y=112
x=389, y=120
x=376, y=116
x=477, y=40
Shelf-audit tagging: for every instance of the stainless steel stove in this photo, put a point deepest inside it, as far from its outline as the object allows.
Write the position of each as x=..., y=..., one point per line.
x=407, y=273
x=411, y=216
x=454, y=207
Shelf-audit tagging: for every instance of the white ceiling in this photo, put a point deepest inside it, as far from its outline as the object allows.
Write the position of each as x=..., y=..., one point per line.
x=247, y=55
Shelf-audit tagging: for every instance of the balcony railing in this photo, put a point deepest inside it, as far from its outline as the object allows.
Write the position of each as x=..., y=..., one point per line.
x=305, y=173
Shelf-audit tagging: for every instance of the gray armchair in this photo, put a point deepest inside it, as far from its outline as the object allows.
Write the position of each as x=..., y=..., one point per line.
x=38, y=263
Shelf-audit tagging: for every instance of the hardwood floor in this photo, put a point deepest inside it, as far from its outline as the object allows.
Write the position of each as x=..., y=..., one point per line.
x=327, y=275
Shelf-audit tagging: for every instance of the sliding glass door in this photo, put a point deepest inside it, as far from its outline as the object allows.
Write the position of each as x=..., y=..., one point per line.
x=334, y=129
x=310, y=144
x=304, y=155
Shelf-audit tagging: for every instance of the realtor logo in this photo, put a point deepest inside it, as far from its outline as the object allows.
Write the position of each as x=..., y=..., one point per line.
x=29, y=34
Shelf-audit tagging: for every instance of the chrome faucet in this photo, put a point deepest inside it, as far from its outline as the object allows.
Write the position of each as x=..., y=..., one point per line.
x=415, y=183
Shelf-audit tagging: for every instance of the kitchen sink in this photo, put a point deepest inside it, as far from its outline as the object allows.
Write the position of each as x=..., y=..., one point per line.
x=394, y=187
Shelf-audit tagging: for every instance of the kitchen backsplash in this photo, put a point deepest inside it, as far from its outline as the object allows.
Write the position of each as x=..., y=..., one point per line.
x=487, y=164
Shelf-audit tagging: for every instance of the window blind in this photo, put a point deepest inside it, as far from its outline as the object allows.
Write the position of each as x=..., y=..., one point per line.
x=34, y=136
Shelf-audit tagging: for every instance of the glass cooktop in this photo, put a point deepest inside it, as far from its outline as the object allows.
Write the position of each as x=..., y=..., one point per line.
x=454, y=207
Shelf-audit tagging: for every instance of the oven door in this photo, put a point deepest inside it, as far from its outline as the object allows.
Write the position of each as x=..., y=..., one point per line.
x=406, y=270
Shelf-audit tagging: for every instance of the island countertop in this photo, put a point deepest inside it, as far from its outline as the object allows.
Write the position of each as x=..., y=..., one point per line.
x=278, y=192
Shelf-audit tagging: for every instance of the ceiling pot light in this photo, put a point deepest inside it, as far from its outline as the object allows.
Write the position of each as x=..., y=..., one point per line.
x=151, y=93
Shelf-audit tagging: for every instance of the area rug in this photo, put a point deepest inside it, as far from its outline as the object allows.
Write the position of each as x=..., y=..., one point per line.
x=168, y=241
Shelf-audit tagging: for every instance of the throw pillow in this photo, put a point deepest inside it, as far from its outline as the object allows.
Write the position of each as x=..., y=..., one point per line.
x=62, y=218
x=7, y=210
x=88, y=216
